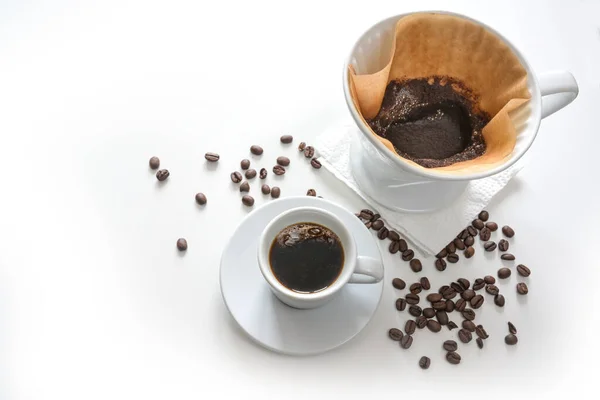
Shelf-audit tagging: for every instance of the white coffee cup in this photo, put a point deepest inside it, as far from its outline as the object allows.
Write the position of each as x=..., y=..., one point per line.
x=356, y=268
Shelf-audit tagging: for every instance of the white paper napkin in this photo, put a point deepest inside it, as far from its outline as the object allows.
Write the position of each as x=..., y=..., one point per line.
x=429, y=232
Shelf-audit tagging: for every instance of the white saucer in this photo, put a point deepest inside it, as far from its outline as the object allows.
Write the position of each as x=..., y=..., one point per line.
x=273, y=324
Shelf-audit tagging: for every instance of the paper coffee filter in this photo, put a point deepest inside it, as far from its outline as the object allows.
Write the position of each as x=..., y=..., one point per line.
x=429, y=44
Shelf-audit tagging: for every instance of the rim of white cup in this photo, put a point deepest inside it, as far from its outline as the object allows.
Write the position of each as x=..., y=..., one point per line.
x=534, y=103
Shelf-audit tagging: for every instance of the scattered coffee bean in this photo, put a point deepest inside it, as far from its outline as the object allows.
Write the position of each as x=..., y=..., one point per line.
x=425, y=284
x=464, y=336
x=442, y=254
x=201, y=198
x=263, y=173
x=508, y=257
x=478, y=284
x=415, y=264
x=503, y=245
x=433, y=297
x=442, y=289
x=485, y=234
x=452, y=258
x=479, y=342
x=154, y=162
x=508, y=231
x=245, y=187
x=212, y=157
x=278, y=170
x=499, y=300
x=375, y=217
x=468, y=294
x=394, y=236
x=489, y=279
x=412, y=298
x=395, y=334
x=478, y=224
x=403, y=245
x=366, y=214
x=410, y=327
x=162, y=174
x=434, y=326
x=484, y=216
x=415, y=288
x=449, y=305
x=311, y=192
x=256, y=150
x=511, y=339
x=464, y=282
x=275, y=192
x=406, y=341
x=449, y=293
x=383, y=232
x=463, y=234
x=245, y=164
x=492, y=289
x=301, y=146
x=452, y=325
x=440, y=264
x=248, y=200
x=492, y=226
x=450, y=345
x=451, y=248
x=469, y=252
x=469, y=241
x=250, y=174
x=504, y=273
x=398, y=283
x=439, y=305
x=471, y=231
x=377, y=225
x=421, y=321
x=442, y=317
x=283, y=161
x=522, y=288
x=181, y=244
x=481, y=332
x=468, y=314
x=400, y=304
x=394, y=247
x=460, y=305
x=523, y=270
x=459, y=244
x=424, y=362
x=511, y=328
x=477, y=301
x=287, y=139
x=453, y=357
x=458, y=288
x=469, y=325
x=429, y=312
x=265, y=189
x=489, y=246
x=408, y=255
x=316, y=164
x=309, y=152
x=236, y=177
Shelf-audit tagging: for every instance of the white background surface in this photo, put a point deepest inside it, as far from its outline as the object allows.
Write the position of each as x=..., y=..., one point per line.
x=95, y=301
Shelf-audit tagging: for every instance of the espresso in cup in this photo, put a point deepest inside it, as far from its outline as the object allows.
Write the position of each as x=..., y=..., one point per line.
x=306, y=257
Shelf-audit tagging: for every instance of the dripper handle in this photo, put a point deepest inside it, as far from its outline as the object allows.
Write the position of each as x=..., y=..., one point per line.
x=558, y=89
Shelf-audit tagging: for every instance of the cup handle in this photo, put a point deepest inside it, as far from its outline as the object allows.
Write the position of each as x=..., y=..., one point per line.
x=368, y=270
x=558, y=89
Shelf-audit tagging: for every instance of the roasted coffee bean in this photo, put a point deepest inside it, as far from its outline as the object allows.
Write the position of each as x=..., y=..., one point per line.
x=492, y=226
x=265, y=189
x=408, y=255
x=478, y=224
x=440, y=264
x=489, y=279
x=201, y=198
x=452, y=325
x=375, y=217
x=485, y=234
x=212, y=157
x=311, y=192
x=450, y=345
x=468, y=314
x=309, y=152
x=301, y=146
x=511, y=339
x=394, y=247
x=256, y=150
x=316, y=164
x=512, y=328
x=278, y=170
x=154, y=162
x=508, y=231
x=492, y=289
x=398, y=283
x=478, y=284
x=412, y=298
x=449, y=306
x=469, y=241
x=425, y=284
x=503, y=245
x=410, y=327
x=442, y=289
x=477, y=301
x=366, y=214
x=383, y=232
x=400, y=304
x=442, y=254
x=439, y=305
x=406, y=341
x=369, y=224
x=248, y=200
x=471, y=231
x=245, y=164
x=464, y=336
x=460, y=305
x=286, y=139
x=434, y=326
x=463, y=234
x=522, y=288
x=503, y=273
x=403, y=245
x=424, y=362
x=458, y=288
x=236, y=177
x=464, y=283
x=469, y=325
x=275, y=192
x=428, y=312
x=453, y=357
x=415, y=263
x=451, y=248
x=283, y=161
x=394, y=236
x=162, y=174
x=245, y=187
x=459, y=244
x=469, y=252
x=481, y=332
x=395, y=334
x=263, y=173
x=415, y=288
x=181, y=244
x=484, y=216
x=421, y=322
x=507, y=256
x=377, y=225
x=489, y=246
x=433, y=297
x=499, y=300
x=442, y=317
x=479, y=342
x=523, y=270
x=468, y=294
x=452, y=258
x=449, y=293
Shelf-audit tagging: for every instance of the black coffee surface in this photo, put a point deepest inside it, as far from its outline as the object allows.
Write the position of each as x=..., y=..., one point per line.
x=431, y=123
x=306, y=257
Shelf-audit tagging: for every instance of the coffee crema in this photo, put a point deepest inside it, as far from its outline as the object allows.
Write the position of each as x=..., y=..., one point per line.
x=306, y=257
